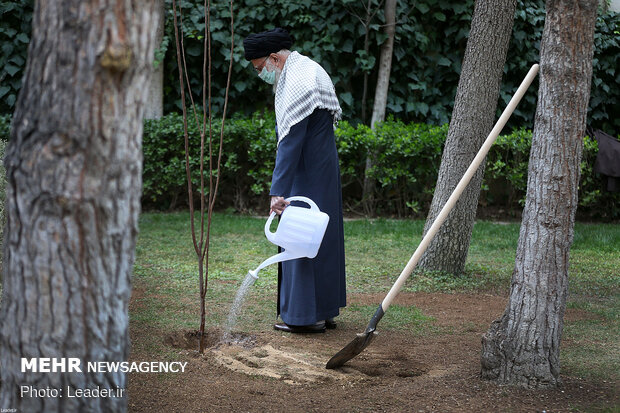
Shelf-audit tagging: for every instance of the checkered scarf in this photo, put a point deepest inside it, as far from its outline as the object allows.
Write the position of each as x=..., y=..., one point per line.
x=302, y=87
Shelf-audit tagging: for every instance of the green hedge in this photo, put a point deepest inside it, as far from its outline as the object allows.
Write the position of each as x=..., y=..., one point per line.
x=505, y=180
x=406, y=167
x=247, y=161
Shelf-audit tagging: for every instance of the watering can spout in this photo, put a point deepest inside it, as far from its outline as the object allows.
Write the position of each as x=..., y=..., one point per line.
x=283, y=256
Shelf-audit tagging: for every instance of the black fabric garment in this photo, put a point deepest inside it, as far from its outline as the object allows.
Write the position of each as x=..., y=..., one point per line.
x=312, y=290
x=264, y=43
x=608, y=160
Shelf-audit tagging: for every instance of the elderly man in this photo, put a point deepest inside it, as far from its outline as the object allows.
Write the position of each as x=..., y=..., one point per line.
x=310, y=291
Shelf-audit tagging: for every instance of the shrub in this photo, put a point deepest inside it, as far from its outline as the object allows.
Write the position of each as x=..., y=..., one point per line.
x=505, y=180
x=406, y=166
x=5, y=127
x=505, y=177
x=163, y=173
x=248, y=166
x=247, y=160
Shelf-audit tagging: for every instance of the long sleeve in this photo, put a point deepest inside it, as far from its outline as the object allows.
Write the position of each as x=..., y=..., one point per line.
x=287, y=160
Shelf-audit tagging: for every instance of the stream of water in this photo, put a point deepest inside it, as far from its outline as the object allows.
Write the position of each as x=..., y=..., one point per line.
x=236, y=307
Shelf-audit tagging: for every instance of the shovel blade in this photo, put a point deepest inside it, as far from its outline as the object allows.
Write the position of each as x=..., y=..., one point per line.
x=358, y=344
x=351, y=350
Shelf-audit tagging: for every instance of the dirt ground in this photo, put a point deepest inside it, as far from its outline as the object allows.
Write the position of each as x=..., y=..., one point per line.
x=271, y=371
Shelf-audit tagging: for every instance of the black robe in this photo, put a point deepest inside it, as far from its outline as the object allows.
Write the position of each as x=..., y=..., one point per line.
x=312, y=290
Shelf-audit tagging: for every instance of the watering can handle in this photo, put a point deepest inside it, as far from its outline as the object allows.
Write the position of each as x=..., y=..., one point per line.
x=268, y=233
x=308, y=201
x=313, y=207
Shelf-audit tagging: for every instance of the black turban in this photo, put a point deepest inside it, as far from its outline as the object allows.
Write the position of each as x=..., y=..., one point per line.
x=264, y=43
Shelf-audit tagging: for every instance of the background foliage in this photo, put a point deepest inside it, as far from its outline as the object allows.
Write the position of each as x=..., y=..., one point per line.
x=431, y=36
x=430, y=40
x=15, y=27
x=406, y=168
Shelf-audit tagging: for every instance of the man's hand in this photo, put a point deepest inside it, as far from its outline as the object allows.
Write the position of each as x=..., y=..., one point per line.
x=278, y=204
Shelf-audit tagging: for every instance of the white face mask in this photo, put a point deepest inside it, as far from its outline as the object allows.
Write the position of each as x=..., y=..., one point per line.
x=267, y=76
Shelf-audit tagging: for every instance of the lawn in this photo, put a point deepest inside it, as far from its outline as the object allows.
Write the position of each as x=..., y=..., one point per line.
x=376, y=252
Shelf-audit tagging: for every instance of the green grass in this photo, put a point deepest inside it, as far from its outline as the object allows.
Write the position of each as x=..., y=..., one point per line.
x=591, y=346
x=591, y=349
x=376, y=252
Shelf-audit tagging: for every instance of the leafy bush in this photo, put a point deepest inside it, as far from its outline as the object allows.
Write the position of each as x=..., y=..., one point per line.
x=247, y=160
x=594, y=200
x=505, y=180
x=249, y=156
x=406, y=167
x=507, y=163
x=429, y=45
x=430, y=41
x=163, y=173
x=408, y=158
x=15, y=26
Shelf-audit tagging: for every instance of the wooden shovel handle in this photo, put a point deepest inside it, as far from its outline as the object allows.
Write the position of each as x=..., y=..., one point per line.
x=443, y=214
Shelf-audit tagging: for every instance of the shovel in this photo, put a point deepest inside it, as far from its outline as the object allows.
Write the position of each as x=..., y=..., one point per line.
x=362, y=340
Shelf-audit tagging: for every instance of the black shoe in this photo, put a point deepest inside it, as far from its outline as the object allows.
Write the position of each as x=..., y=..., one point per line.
x=330, y=324
x=309, y=329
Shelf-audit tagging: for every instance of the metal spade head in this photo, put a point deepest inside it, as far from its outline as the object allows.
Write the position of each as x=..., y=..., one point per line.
x=358, y=344
x=351, y=350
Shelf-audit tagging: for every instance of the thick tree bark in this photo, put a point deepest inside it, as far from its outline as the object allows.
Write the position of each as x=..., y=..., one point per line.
x=523, y=347
x=155, y=97
x=385, y=64
x=380, y=102
x=472, y=119
x=73, y=198
x=366, y=23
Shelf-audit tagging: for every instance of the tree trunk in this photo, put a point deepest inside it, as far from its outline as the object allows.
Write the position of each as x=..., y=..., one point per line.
x=74, y=168
x=380, y=102
x=385, y=65
x=472, y=120
x=523, y=347
x=369, y=17
x=155, y=96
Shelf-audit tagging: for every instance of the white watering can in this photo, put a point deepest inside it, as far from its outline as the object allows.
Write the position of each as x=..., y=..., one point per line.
x=300, y=232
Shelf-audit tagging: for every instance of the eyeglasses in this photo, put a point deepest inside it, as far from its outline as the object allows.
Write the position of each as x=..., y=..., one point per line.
x=260, y=67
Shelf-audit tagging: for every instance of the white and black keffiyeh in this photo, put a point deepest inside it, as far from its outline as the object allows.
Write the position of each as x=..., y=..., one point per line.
x=303, y=86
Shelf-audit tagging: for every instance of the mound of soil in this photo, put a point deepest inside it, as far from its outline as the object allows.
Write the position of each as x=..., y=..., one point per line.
x=271, y=371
